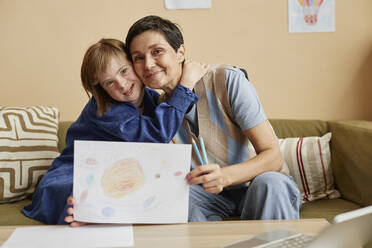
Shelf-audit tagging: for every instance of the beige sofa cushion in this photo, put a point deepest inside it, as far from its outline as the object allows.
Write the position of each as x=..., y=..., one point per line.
x=28, y=145
x=309, y=163
x=326, y=208
x=14, y=214
x=308, y=160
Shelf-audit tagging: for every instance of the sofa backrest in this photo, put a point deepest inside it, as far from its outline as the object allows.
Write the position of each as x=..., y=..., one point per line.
x=286, y=128
x=62, y=130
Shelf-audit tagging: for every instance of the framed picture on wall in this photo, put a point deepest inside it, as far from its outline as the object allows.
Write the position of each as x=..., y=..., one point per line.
x=188, y=4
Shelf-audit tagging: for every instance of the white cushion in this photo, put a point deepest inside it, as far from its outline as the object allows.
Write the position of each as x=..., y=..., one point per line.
x=308, y=160
x=28, y=145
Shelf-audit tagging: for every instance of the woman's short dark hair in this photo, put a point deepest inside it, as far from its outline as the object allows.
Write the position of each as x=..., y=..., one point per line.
x=169, y=29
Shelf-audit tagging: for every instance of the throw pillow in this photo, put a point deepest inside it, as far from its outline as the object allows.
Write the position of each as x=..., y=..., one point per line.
x=308, y=160
x=28, y=145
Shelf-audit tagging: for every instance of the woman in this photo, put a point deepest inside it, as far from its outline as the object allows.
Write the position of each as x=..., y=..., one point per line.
x=228, y=116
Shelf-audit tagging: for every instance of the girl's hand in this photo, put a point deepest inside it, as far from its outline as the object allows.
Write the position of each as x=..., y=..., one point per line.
x=70, y=211
x=192, y=72
x=210, y=176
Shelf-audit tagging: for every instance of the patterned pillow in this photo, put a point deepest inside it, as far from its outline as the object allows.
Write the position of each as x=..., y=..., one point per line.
x=308, y=160
x=28, y=145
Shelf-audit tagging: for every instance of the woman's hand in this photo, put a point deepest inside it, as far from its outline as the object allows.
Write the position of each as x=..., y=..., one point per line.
x=210, y=176
x=192, y=72
x=70, y=211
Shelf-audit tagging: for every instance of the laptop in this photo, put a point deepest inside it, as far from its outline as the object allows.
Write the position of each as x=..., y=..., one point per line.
x=348, y=230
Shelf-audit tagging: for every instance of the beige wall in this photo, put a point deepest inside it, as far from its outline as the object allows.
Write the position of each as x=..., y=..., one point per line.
x=305, y=76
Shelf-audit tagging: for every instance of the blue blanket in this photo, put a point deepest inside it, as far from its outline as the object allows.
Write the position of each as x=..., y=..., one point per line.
x=123, y=122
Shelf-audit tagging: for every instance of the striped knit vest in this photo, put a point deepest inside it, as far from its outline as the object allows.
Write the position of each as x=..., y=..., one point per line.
x=224, y=140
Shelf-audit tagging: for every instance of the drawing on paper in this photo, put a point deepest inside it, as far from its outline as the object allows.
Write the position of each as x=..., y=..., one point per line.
x=122, y=178
x=311, y=16
x=122, y=182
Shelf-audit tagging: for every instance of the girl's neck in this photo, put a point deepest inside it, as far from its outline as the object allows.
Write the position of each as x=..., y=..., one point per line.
x=139, y=101
x=140, y=108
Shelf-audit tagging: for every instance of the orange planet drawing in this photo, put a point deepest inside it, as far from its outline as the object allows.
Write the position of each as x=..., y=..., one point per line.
x=122, y=178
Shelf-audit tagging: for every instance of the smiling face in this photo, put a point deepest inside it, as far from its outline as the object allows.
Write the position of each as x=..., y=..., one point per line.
x=121, y=82
x=156, y=63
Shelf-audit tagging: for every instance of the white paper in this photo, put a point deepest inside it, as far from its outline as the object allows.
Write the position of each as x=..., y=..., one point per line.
x=124, y=182
x=71, y=237
x=188, y=4
x=311, y=16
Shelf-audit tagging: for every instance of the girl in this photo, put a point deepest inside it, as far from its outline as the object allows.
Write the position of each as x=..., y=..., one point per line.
x=120, y=109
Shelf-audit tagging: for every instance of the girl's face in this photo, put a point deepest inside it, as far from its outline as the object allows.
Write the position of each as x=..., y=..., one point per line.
x=155, y=61
x=121, y=82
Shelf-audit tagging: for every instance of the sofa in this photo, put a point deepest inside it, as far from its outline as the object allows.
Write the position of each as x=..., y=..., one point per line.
x=350, y=162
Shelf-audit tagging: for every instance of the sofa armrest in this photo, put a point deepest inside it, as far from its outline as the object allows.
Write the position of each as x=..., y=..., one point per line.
x=351, y=150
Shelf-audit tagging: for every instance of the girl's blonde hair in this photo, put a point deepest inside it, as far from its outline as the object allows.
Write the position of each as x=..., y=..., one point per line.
x=96, y=59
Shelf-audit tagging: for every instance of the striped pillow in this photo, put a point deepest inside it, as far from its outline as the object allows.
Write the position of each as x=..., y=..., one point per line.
x=308, y=160
x=28, y=145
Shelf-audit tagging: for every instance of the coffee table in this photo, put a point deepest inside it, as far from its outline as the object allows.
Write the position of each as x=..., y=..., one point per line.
x=206, y=234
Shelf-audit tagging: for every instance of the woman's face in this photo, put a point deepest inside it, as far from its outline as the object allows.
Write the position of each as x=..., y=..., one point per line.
x=155, y=61
x=121, y=82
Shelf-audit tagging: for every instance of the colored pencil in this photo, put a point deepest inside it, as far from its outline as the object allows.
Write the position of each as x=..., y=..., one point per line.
x=197, y=151
x=205, y=158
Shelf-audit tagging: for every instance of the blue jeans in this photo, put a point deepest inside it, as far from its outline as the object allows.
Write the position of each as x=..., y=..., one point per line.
x=271, y=195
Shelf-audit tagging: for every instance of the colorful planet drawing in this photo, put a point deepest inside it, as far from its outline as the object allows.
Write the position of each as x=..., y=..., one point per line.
x=90, y=179
x=108, y=212
x=149, y=201
x=178, y=173
x=122, y=178
x=91, y=161
x=84, y=196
